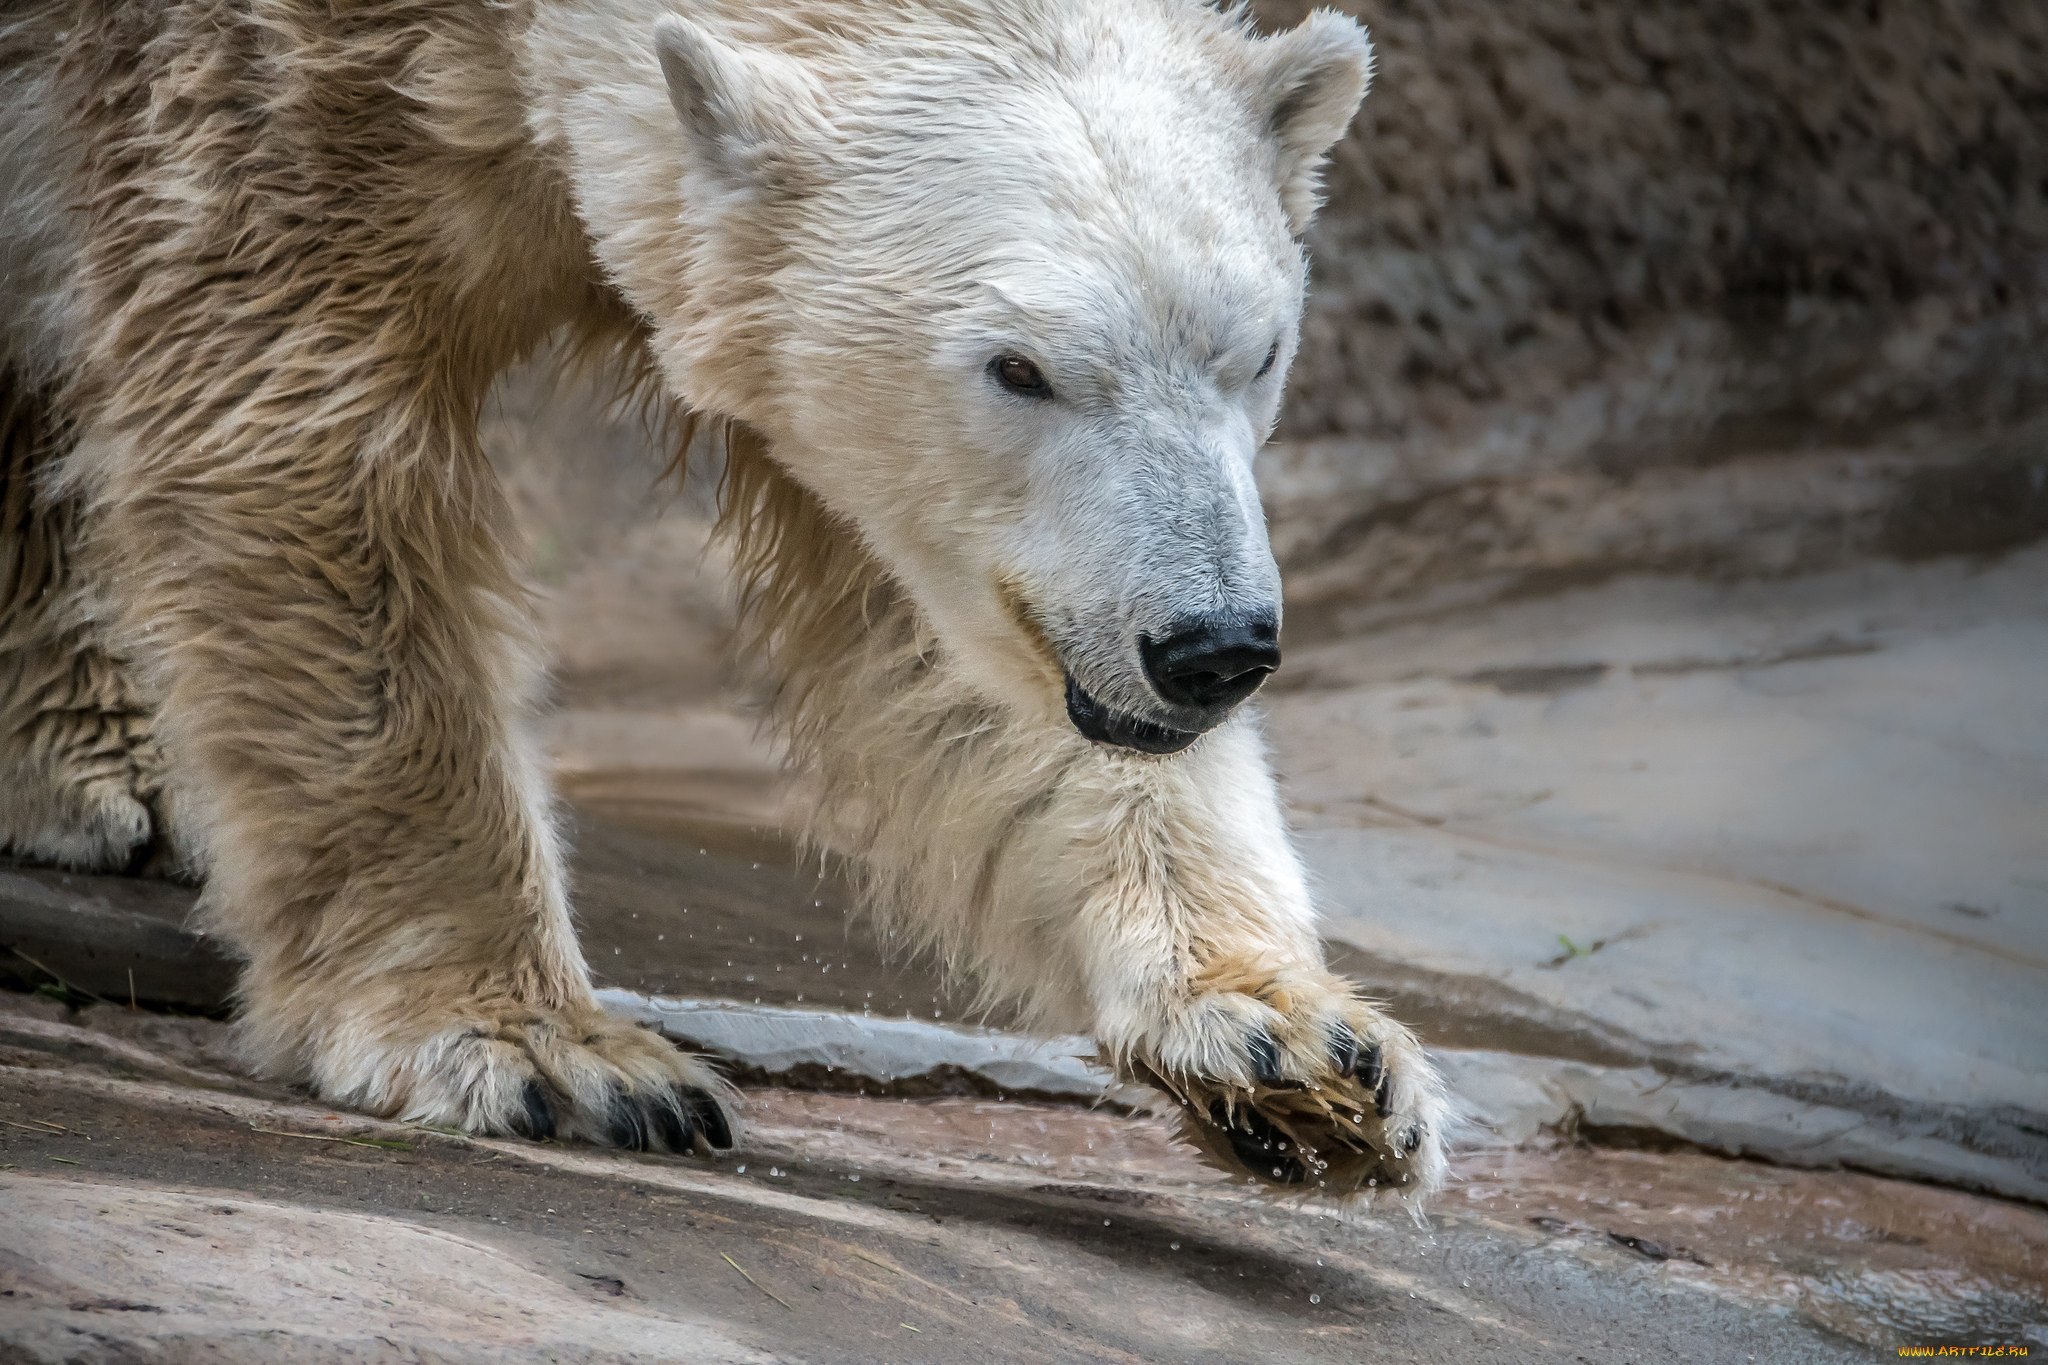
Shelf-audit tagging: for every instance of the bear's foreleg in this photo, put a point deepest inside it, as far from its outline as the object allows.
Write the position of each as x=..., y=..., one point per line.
x=317, y=591
x=1195, y=934
x=1177, y=904
x=1153, y=902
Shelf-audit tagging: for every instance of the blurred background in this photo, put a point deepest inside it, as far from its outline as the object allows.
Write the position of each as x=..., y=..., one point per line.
x=1663, y=502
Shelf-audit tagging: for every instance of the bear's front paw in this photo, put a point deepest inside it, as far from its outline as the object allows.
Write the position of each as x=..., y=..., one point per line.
x=1285, y=1075
x=519, y=1071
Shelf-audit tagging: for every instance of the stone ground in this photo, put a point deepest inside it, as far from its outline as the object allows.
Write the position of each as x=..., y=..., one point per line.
x=159, y=1208
x=1792, y=834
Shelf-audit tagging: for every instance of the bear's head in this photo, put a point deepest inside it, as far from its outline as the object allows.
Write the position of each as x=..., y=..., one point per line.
x=1026, y=280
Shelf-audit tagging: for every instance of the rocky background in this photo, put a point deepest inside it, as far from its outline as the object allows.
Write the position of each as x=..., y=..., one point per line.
x=1734, y=287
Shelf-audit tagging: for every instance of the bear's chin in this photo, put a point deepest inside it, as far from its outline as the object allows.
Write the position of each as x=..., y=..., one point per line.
x=1119, y=731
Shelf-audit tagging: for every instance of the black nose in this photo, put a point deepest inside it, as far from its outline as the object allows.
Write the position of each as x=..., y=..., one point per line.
x=1212, y=663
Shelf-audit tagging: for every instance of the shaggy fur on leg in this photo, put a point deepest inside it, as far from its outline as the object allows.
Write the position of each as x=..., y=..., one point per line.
x=295, y=231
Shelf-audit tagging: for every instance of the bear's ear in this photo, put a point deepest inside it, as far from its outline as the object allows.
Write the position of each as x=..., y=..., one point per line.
x=1308, y=83
x=748, y=114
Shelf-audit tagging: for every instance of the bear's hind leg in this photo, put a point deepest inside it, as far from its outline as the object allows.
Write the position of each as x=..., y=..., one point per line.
x=81, y=776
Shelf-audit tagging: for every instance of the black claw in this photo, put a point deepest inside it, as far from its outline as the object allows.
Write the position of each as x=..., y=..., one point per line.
x=1382, y=1098
x=536, y=1116
x=628, y=1126
x=1259, y=1145
x=709, y=1118
x=1266, y=1061
x=139, y=857
x=1412, y=1142
x=672, y=1127
x=1370, y=1071
x=1343, y=1049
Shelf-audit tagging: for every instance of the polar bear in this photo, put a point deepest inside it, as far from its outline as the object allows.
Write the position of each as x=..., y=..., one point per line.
x=994, y=301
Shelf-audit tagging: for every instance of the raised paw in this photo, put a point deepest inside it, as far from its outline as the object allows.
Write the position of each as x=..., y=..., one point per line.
x=1288, y=1077
x=523, y=1072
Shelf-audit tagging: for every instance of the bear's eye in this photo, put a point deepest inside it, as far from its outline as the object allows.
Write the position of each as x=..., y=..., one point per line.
x=1020, y=376
x=1272, y=359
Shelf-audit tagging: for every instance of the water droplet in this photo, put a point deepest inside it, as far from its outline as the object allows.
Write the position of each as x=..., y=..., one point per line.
x=1315, y=1298
x=1173, y=1246
x=742, y=1170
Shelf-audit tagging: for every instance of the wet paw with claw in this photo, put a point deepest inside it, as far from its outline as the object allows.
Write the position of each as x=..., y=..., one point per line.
x=534, y=1073
x=622, y=1087
x=1316, y=1091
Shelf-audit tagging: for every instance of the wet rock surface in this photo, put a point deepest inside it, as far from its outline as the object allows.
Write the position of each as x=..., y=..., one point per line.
x=1786, y=838
x=1733, y=290
x=669, y=904
x=977, y=1216
x=159, y=1207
